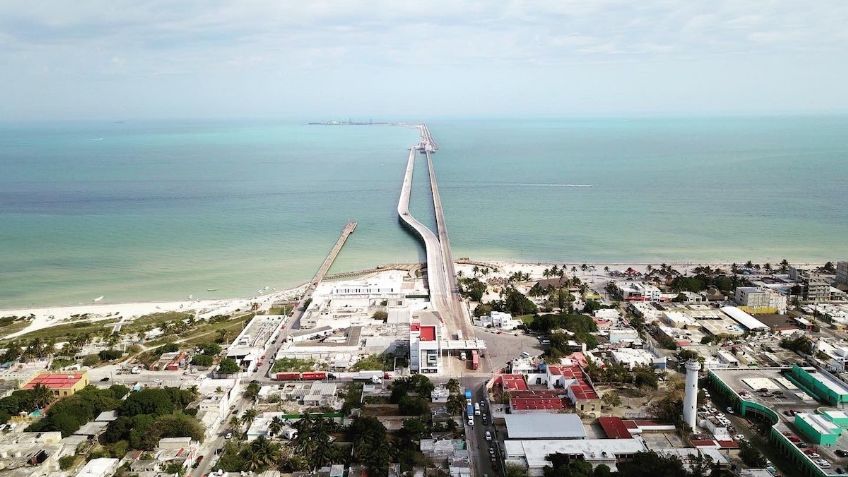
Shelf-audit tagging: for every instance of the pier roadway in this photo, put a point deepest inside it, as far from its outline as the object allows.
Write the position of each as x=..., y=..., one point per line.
x=457, y=311
x=436, y=281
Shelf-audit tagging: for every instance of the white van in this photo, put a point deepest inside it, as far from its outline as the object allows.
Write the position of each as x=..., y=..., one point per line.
x=476, y=408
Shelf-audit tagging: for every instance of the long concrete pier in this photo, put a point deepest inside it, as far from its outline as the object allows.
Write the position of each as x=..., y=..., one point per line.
x=441, y=276
x=435, y=267
x=334, y=252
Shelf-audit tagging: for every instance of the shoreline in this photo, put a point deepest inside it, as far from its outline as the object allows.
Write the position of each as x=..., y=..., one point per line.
x=53, y=315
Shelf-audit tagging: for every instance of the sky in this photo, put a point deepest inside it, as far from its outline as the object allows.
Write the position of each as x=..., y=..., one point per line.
x=317, y=59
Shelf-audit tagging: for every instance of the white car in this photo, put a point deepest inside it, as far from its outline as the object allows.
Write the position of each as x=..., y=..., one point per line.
x=229, y=435
x=488, y=436
x=740, y=437
x=471, y=422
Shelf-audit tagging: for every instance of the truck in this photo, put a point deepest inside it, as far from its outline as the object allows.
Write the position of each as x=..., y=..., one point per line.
x=287, y=377
x=314, y=376
x=476, y=408
x=475, y=359
x=373, y=377
x=469, y=411
x=468, y=394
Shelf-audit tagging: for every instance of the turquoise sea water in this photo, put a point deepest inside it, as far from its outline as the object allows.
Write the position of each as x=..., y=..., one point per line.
x=161, y=210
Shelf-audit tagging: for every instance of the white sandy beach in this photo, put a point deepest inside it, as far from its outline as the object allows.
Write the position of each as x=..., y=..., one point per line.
x=51, y=316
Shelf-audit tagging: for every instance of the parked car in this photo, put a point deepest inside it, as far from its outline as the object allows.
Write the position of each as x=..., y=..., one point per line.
x=228, y=435
x=841, y=453
x=488, y=435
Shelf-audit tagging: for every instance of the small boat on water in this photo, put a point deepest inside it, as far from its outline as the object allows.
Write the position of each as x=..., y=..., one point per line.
x=211, y=289
x=98, y=298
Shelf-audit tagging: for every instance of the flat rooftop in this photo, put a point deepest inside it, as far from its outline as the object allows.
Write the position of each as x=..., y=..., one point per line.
x=544, y=426
x=536, y=451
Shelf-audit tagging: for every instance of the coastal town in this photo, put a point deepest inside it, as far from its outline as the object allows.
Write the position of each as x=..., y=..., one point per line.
x=722, y=369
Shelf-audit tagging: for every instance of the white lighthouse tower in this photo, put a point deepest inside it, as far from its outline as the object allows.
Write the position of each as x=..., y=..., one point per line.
x=690, y=399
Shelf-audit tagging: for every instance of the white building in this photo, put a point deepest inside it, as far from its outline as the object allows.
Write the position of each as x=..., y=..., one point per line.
x=760, y=299
x=425, y=337
x=632, y=358
x=498, y=319
x=216, y=396
x=677, y=319
x=747, y=321
x=638, y=291
x=837, y=354
x=100, y=467
x=623, y=334
x=532, y=454
x=255, y=339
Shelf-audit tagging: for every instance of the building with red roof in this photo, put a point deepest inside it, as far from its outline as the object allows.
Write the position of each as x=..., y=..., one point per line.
x=513, y=382
x=536, y=401
x=61, y=384
x=425, y=334
x=614, y=427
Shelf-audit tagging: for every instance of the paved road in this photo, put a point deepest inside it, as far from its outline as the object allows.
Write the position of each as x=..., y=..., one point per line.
x=437, y=283
x=456, y=310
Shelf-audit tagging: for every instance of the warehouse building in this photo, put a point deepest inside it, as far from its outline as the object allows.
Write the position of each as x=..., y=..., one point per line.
x=544, y=426
x=823, y=385
x=817, y=428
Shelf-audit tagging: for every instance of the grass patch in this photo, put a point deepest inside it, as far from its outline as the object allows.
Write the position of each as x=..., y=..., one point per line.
x=280, y=310
x=153, y=319
x=68, y=331
x=205, y=332
x=12, y=324
x=526, y=319
x=294, y=365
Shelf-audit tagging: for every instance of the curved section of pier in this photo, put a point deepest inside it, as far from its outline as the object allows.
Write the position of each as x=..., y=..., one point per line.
x=435, y=266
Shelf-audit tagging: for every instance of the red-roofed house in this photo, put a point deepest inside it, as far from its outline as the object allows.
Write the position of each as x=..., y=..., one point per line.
x=536, y=401
x=578, y=387
x=513, y=382
x=614, y=427
x=61, y=384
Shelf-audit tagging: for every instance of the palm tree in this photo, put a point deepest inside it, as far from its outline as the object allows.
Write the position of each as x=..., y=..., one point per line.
x=261, y=454
x=248, y=417
x=275, y=426
x=41, y=396
x=784, y=265
x=476, y=270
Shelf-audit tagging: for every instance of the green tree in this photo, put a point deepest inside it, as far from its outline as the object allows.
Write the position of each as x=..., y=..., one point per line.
x=228, y=366
x=203, y=360
x=370, y=444
x=651, y=464
x=380, y=315
x=514, y=470
x=67, y=461
x=751, y=456
x=248, y=416
x=153, y=401
x=251, y=391
x=260, y=454
x=611, y=399
x=211, y=349
x=275, y=426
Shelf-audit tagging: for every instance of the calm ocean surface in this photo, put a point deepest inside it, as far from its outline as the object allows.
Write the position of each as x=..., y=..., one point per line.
x=141, y=211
